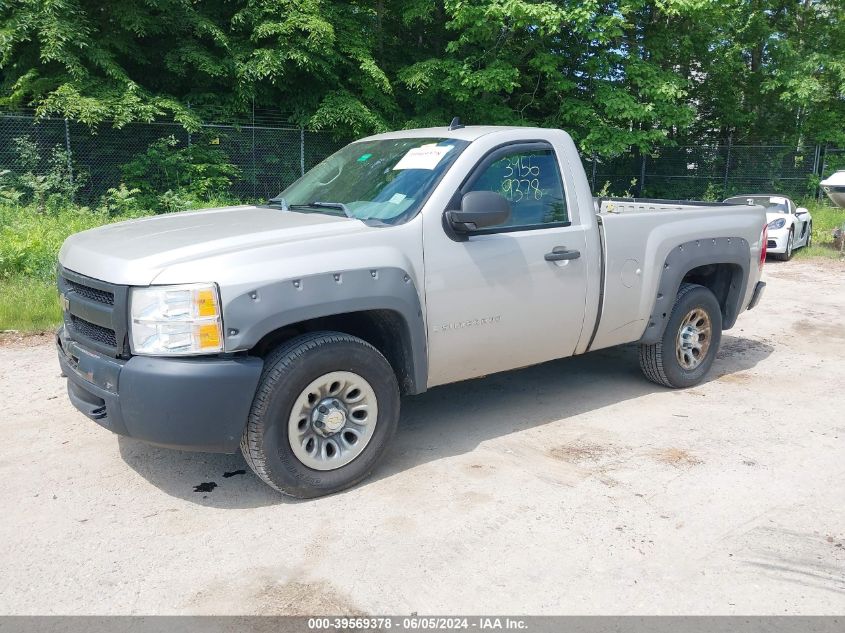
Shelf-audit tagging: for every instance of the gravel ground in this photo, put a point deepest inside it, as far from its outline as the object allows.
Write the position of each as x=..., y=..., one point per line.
x=572, y=487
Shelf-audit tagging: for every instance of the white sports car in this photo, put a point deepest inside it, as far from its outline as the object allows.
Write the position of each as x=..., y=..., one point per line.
x=790, y=227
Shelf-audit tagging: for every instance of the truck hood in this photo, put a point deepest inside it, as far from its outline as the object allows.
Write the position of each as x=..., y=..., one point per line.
x=136, y=251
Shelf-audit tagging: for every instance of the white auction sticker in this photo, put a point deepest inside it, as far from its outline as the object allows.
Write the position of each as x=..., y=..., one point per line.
x=423, y=157
x=396, y=198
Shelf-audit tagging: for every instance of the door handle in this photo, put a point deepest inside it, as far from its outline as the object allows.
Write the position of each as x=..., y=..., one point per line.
x=561, y=253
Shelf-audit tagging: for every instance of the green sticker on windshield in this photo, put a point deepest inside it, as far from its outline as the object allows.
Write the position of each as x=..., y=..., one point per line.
x=364, y=158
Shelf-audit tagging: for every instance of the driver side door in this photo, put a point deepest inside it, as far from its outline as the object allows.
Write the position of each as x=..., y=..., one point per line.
x=801, y=225
x=498, y=299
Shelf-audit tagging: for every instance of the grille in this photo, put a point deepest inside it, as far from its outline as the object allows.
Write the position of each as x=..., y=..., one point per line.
x=94, y=332
x=100, y=296
x=95, y=312
x=771, y=244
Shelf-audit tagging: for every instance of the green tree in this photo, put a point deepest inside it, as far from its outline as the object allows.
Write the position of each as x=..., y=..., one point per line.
x=618, y=74
x=765, y=71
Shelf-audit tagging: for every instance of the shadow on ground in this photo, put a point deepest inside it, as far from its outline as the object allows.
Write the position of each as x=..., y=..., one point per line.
x=445, y=421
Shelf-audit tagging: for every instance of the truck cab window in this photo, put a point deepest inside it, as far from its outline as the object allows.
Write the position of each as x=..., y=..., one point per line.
x=531, y=181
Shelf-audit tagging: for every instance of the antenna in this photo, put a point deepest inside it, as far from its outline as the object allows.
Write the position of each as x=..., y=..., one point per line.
x=455, y=124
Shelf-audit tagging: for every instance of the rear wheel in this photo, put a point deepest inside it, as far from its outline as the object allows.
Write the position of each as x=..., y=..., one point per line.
x=690, y=342
x=326, y=407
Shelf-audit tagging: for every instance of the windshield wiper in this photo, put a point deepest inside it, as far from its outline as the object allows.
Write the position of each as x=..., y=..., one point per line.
x=280, y=201
x=323, y=205
x=333, y=205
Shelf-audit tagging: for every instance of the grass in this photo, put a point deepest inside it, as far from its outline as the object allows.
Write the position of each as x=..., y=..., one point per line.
x=29, y=243
x=825, y=219
x=28, y=304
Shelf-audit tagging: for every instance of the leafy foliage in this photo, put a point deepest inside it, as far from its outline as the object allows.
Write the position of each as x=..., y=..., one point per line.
x=200, y=170
x=30, y=240
x=47, y=182
x=618, y=74
x=121, y=200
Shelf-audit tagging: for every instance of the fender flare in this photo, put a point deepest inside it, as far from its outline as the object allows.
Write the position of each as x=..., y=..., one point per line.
x=685, y=257
x=253, y=314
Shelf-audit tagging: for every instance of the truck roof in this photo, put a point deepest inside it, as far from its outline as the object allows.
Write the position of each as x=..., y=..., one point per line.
x=467, y=133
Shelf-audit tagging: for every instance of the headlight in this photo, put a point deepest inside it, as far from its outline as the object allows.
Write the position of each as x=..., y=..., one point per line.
x=777, y=224
x=175, y=320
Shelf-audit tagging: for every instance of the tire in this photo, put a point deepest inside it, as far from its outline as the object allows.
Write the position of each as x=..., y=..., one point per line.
x=311, y=365
x=809, y=241
x=661, y=362
x=790, y=248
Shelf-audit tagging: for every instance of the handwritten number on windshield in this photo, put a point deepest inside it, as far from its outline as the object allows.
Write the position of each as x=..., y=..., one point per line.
x=521, y=179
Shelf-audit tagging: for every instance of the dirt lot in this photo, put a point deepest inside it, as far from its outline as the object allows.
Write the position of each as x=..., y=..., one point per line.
x=574, y=487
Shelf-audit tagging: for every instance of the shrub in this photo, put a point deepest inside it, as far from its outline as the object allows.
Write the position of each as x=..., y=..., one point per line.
x=173, y=201
x=49, y=183
x=173, y=175
x=713, y=193
x=121, y=200
x=8, y=193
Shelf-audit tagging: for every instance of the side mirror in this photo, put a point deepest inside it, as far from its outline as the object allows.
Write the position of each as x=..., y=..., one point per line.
x=479, y=209
x=801, y=211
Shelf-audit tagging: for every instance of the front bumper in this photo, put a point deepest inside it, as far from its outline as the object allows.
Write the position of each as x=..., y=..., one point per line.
x=777, y=241
x=198, y=404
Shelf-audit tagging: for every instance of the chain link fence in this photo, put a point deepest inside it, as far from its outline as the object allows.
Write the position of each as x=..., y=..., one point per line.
x=833, y=160
x=257, y=158
x=245, y=161
x=711, y=172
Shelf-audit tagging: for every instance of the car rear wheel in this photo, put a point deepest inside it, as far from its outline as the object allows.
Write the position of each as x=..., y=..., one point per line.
x=690, y=342
x=326, y=408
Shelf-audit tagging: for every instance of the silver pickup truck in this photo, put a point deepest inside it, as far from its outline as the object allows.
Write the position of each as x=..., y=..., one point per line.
x=404, y=261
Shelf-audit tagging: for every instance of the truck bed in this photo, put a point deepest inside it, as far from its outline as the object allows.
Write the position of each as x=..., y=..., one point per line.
x=637, y=236
x=639, y=205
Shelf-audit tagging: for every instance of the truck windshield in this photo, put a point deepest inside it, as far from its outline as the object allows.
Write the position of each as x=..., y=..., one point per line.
x=384, y=180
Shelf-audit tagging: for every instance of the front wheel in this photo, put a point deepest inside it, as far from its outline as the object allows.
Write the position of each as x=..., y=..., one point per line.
x=326, y=408
x=690, y=342
x=790, y=246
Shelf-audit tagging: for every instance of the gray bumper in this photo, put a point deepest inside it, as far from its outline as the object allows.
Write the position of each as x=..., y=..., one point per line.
x=198, y=404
